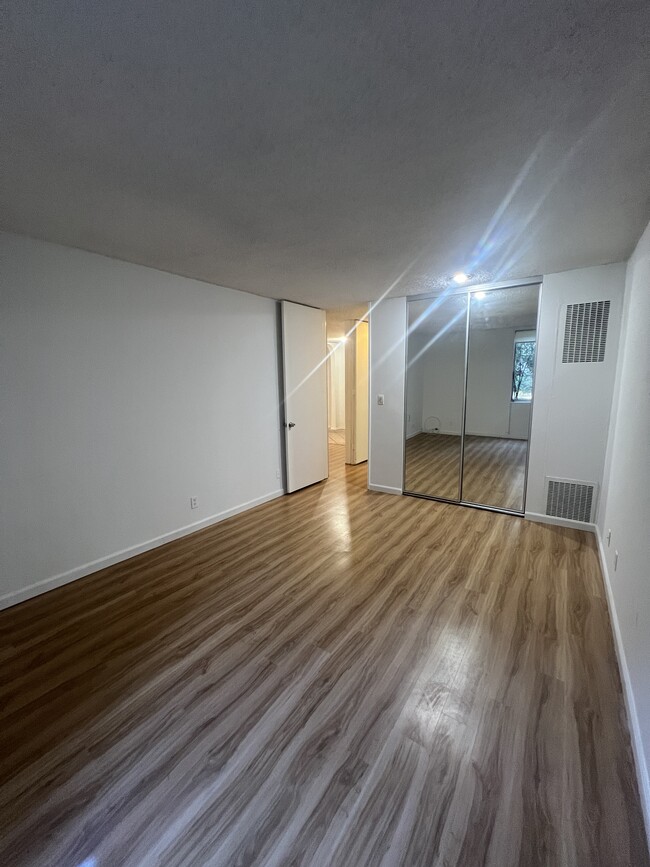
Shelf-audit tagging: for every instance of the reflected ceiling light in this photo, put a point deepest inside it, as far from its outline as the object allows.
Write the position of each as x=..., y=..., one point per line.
x=478, y=295
x=460, y=277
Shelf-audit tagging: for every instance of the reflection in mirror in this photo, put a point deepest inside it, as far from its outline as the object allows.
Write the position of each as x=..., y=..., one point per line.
x=435, y=383
x=501, y=358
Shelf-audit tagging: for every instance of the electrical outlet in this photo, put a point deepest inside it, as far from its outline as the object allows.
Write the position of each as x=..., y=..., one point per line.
x=615, y=560
x=277, y=474
x=609, y=538
x=194, y=502
x=380, y=400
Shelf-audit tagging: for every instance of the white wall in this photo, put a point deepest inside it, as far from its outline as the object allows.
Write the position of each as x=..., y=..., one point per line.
x=519, y=426
x=625, y=508
x=336, y=385
x=414, y=385
x=489, y=381
x=490, y=411
x=572, y=401
x=443, y=381
x=387, y=368
x=489, y=385
x=125, y=391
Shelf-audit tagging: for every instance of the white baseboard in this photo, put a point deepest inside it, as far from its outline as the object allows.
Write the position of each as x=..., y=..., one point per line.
x=384, y=489
x=560, y=522
x=643, y=777
x=43, y=586
x=414, y=434
x=438, y=433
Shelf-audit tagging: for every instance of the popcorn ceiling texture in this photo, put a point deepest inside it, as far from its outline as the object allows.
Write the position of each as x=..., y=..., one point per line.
x=315, y=151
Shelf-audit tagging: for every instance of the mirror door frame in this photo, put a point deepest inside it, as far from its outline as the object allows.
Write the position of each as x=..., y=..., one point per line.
x=469, y=291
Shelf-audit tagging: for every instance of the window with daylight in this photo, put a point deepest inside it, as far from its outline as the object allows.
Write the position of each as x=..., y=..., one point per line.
x=523, y=368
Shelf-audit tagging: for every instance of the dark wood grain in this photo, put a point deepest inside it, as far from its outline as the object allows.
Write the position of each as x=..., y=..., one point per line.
x=337, y=677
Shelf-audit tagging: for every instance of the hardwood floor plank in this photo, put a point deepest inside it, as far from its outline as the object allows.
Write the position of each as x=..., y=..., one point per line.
x=337, y=677
x=493, y=471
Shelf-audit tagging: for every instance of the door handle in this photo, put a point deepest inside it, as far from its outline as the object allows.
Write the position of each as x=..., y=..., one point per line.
x=291, y=424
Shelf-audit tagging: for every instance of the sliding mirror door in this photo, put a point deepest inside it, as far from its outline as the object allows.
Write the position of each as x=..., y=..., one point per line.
x=469, y=389
x=435, y=385
x=500, y=372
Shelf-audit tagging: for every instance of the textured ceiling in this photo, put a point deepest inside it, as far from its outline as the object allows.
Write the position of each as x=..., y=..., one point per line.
x=513, y=307
x=326, y=152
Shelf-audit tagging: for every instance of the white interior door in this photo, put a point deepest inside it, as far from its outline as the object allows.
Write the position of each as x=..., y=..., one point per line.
x=356, y=393
x=304, y=349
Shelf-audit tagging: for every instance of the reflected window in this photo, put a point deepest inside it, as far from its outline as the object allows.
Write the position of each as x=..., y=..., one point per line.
x=523, y=368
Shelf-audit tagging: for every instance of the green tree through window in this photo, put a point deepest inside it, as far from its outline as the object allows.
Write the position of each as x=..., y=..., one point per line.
x=523, y=369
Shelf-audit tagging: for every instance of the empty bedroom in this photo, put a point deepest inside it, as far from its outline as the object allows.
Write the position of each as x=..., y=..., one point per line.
x=324, y=452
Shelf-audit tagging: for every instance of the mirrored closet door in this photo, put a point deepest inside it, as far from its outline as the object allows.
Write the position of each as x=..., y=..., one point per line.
x=469, y=392
x=435, y=393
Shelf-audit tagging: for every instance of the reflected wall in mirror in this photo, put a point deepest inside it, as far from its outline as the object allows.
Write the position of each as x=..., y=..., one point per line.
x=435, y=385
x=500, y=372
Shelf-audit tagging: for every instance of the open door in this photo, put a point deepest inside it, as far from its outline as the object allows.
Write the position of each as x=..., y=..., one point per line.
x=304, y=350
x=356, y=393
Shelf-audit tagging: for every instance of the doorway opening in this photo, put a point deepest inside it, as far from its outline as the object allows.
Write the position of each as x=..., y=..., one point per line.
x=336, y=390
x=347, y=387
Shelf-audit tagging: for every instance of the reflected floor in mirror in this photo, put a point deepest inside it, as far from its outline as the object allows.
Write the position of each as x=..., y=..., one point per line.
x=337, y=678
x=493, y=475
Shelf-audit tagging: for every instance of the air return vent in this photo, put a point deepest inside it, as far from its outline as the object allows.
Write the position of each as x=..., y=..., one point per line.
x=585, y=332
x=575, y=501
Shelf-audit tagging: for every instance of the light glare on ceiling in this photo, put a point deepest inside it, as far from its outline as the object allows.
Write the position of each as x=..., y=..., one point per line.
x=479, y=295
x=460, y=277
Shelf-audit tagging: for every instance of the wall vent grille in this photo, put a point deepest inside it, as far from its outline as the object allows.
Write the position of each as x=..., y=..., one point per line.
x=572, y=500
x=585, y=332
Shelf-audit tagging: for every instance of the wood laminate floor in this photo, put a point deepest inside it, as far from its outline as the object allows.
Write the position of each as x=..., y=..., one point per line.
x=493, y=473
x=337, y=677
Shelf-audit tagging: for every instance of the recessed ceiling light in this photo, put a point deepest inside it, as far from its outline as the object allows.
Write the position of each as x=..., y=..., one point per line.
x=479, y=295
x=460, y=277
